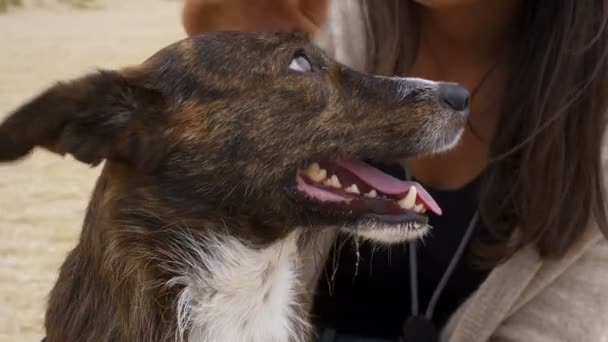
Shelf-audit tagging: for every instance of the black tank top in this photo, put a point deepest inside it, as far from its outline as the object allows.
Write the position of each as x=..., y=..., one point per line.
x=376, y=301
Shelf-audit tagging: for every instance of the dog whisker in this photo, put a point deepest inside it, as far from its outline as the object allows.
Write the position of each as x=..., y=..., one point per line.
x=358, y=254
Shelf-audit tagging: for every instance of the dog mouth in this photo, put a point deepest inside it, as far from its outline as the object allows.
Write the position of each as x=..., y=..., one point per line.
x=358, y=188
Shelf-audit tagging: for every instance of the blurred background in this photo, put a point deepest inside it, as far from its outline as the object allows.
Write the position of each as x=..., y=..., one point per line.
x=43, y=197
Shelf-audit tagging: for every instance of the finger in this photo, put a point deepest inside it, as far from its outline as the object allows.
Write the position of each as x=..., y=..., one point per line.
x=194, y=16
x=316, y=11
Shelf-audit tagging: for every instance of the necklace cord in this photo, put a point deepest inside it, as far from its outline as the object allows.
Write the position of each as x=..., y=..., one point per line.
x=451, y=267
x=413, y=278
x=413, y=262
x=474, y=92
x=446, y=275
x=413, y=266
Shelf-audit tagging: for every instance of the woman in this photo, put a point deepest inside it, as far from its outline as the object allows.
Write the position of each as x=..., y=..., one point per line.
x=525, y=181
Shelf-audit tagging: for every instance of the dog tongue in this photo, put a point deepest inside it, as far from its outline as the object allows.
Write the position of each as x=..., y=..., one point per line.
x=388, y=184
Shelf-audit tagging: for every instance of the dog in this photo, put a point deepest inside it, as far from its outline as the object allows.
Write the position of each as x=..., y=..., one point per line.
x=225, y=154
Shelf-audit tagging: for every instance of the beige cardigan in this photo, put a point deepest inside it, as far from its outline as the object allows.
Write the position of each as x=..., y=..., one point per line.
x=526, y=298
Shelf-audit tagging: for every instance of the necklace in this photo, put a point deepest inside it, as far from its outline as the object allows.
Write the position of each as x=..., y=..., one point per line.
x=474, y=90
x=420, y=328
x=417, y=327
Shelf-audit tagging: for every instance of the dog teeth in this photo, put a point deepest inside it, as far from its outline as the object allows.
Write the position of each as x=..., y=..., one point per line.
x=409, y=200
x=371, y=194
x=316, y=173
x=353, y=189
x=419, y=208
x=333, y=182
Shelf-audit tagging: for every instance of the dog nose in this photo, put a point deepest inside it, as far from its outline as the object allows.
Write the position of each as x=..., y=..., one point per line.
x=454, y=96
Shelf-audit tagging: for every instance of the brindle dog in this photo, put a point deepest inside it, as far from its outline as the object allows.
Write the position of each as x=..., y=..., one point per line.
x=224, y=154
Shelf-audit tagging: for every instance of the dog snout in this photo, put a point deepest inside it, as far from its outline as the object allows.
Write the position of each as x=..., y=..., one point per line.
x=454, y=97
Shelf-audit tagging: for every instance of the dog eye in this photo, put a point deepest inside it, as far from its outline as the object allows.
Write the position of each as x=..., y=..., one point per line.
x=300, y=63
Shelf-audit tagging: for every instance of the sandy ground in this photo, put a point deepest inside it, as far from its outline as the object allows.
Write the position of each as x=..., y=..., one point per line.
x=42, y=198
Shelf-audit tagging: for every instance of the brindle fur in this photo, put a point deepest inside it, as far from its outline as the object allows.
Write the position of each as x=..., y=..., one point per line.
x=204, y=137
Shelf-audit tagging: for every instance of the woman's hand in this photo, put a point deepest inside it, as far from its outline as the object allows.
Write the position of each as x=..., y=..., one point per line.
x=254, y=15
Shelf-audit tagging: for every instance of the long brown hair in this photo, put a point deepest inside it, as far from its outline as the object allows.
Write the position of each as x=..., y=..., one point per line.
x=545, y=175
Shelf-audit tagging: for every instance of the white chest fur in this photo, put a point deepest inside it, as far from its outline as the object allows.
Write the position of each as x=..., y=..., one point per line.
x=237, y=293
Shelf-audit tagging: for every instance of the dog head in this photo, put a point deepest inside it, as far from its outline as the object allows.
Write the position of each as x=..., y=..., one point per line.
x=260, y=126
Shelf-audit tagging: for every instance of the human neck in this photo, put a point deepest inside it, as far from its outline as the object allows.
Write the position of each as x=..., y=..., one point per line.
x=475, y=32
x=465, y=44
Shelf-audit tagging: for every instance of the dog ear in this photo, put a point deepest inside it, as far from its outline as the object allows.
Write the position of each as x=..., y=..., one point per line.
x=105, y=115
